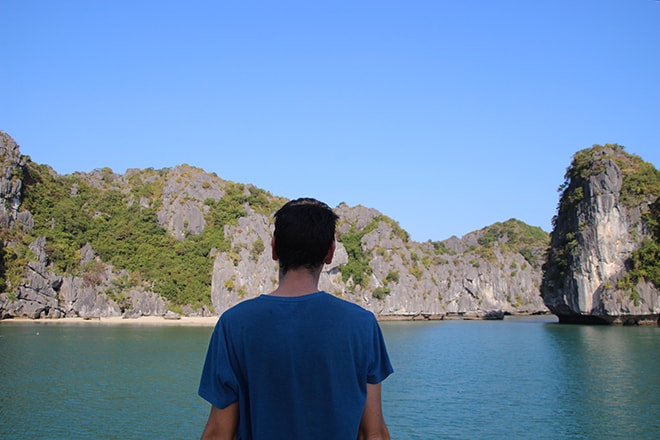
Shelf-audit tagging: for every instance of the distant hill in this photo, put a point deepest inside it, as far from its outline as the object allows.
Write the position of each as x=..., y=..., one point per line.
x=183, y=241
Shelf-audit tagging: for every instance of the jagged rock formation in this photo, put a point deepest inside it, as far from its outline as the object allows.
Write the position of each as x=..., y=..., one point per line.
x=11, y=184
x=188, y=242
x=415, y=280
x=44, y=294
x=406, y=280
x=184, y=189
x=606, y=223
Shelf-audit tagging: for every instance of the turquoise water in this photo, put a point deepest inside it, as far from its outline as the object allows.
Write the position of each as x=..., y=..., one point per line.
x=521, y=378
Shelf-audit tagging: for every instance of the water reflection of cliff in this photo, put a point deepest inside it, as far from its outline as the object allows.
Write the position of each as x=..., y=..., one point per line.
x=606, y=379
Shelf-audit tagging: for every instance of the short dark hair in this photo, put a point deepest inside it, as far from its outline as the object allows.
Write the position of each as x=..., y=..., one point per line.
x=304, y=232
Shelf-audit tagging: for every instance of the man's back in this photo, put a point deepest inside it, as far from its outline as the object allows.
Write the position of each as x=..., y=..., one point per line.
x=298, y=363
x=298, y=366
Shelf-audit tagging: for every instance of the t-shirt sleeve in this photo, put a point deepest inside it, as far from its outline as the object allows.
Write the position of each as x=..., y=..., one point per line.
x=380, y=366
x=218, y=384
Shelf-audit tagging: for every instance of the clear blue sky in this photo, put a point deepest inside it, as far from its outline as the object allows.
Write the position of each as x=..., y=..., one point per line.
x=447, y=116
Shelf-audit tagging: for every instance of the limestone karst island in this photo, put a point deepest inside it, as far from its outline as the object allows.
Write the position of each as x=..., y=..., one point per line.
x=183, y=242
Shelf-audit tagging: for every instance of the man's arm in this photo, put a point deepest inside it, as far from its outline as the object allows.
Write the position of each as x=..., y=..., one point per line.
x=372, y=425
x=222, y=423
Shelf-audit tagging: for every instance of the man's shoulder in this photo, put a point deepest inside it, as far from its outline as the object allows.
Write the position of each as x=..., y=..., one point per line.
x=346, y=306
x=246, y=306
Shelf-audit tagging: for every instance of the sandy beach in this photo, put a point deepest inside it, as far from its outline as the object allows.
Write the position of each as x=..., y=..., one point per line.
x=118, y=320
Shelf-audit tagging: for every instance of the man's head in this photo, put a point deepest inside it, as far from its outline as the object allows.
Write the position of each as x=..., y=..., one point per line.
x=304, y=234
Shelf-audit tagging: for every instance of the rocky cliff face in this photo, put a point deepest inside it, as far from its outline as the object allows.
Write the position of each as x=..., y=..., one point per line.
x=485, y=274
x=605, y=216
x=11, y=163
x=405, y=279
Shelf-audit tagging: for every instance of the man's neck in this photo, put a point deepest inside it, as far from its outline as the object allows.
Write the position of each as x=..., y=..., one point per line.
x=298, y=282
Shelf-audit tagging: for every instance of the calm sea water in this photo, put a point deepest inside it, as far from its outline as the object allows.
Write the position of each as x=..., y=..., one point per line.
x=521, y=378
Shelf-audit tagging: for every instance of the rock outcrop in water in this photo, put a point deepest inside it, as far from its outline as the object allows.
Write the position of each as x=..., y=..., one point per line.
x=183, y=241
x=604, y=262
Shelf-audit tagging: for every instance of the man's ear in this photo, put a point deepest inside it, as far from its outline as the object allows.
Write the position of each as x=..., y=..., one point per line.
x=273, y=252
x=331, y=253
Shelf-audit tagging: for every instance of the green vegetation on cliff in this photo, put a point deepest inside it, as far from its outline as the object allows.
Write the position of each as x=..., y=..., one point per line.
x=641, y=181
x=517, y=237
x=645, y=261
x=358, y=267
x=70, y=212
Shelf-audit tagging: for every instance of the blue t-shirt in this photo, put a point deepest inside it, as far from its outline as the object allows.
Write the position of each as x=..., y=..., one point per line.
x=298, y=366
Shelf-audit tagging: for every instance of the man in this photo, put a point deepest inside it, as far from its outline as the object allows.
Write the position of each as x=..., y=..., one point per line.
x=297, y=363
